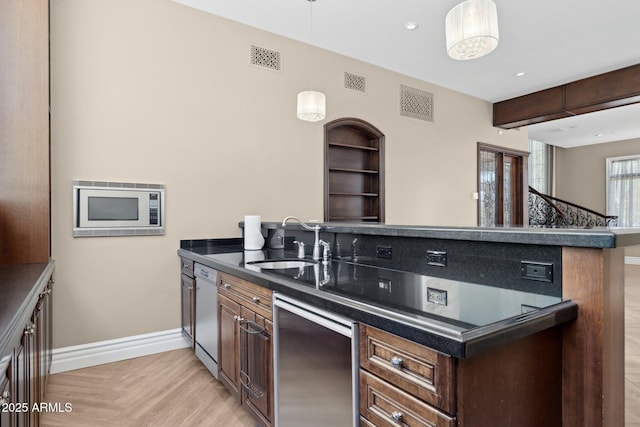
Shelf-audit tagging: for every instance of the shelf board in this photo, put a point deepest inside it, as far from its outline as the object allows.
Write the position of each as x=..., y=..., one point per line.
x=337, y=193
x=367, y=171
x=355, y=147
x=347, y=218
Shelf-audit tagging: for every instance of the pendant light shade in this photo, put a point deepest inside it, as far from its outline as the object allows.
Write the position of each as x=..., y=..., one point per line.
x=472, y=29
x=311, y=106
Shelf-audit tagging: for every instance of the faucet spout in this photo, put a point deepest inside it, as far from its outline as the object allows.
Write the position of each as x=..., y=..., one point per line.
x=315, y=229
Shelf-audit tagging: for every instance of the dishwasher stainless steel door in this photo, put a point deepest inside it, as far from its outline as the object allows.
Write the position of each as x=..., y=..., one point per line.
x=206, y=328
x=316, y=366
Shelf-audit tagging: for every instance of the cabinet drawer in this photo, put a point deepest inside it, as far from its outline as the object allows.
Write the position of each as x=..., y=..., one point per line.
x=385, y=405
x=414, y=368
x=247, y=294
x=186, y=265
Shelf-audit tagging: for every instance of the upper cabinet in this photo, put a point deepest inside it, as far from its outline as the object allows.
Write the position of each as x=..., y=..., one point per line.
x=354, y=172
x=24, y=131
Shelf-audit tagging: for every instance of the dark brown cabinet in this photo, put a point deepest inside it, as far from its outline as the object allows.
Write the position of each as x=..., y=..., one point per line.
x=24, y=132
x=354, y=171
x=23, y=383
x=245, y=364
x=188, y=300
x=405, y=383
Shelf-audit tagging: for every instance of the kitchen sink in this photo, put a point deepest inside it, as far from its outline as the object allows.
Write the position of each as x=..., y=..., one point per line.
x=278, y=264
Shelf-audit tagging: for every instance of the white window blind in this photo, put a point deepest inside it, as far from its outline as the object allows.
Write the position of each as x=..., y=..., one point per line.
x=623, y=190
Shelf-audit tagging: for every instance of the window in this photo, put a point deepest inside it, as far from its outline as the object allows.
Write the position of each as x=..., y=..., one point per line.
x=540, y=166
x=623, y=190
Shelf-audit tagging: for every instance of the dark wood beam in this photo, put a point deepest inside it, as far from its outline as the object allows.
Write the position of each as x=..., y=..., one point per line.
x=613, y=89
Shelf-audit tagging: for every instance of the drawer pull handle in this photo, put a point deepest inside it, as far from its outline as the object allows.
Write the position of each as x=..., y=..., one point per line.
x=396, y=362
x=226, y=286
x=5, y=397
x=256, y=300
x=397, y=416
x=238, y=318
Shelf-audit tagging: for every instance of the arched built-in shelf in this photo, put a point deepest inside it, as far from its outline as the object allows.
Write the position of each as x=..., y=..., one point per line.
x=354, y=171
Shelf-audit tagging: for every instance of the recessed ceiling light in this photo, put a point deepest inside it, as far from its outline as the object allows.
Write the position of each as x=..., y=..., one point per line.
x=520, y=74
x=599, y=135
x=411, y=25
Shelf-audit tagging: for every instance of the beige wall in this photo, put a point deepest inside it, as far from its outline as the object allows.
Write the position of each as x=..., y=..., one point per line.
x=581, y=174
x=152, y=91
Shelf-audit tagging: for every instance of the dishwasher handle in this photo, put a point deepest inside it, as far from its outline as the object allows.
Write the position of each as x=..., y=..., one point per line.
x=331, y=321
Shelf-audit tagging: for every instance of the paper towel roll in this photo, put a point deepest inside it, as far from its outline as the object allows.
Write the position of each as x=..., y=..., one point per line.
x=253, y=239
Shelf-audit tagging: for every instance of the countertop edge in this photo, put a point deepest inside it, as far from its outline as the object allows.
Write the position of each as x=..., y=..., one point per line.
x=600, y=237
x=460, y=346
x=22, y=315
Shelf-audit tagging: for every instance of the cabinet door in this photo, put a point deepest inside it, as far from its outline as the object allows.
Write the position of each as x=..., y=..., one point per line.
x=188, y=308
x=20, y=380
x=33, y=362
x=45, y=337
x=229, y=360
x=260, y=405
x=5, y=397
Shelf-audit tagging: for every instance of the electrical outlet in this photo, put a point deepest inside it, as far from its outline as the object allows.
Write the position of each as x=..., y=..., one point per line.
x=437, y=296
x=383, y=252
x=437, y=258
x=384, y=284
x=539, y=271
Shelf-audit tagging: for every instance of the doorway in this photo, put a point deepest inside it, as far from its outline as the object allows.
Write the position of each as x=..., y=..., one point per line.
x=502, y=180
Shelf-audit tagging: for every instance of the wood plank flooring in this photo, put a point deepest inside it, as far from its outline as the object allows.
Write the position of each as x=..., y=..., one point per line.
x=175, y=389
x=170, y=389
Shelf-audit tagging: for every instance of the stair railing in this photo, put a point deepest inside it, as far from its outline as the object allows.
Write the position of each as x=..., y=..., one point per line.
x=548, y=211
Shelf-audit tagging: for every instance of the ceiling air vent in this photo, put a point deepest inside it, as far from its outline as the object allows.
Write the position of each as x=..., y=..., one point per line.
x=416, y=103
x=266, y=58
x=355, y=82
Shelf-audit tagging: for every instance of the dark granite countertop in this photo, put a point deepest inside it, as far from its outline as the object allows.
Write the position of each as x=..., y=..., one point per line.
x=597, y=237
x=20, y=287
x=477, y=317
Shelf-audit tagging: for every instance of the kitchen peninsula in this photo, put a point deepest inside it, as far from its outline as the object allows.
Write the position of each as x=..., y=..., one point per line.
x=567, y=285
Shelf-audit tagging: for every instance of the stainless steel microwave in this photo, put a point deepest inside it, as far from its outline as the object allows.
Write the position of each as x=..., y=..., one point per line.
x=117, y=209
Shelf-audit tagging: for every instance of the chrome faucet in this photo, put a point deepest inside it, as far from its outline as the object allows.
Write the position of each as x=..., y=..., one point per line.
x=325, y=252
x=315, y=229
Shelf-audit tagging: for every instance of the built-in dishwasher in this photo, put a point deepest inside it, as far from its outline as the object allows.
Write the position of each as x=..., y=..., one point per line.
x=206, y=329
x=315, y=364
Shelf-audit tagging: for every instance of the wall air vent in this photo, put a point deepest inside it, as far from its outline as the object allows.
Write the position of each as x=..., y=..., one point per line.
x=355, y=82
x=266, y=58
x=416, y=103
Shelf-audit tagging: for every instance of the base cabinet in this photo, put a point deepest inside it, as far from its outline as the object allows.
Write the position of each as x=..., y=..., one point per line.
x=245, y=364
x=404, y=383
x=188, y=300
x=23, y=383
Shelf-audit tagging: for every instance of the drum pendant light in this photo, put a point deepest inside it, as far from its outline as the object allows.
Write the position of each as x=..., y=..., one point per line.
x=311, y=104
x=472, y=29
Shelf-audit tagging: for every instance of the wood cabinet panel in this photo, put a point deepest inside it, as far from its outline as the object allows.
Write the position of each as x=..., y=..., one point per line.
x=24, y=131
x=385, y=405
x=250, y=295
x=261, y=406
x=188, y=308
x=240, y=301
x=229, y=345
x=414, y=368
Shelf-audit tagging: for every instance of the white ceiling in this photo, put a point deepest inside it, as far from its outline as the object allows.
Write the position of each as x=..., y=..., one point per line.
x=552, y=41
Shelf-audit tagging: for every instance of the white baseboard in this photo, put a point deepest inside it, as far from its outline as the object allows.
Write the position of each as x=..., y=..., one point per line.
x=632, y=260
x=97, y=353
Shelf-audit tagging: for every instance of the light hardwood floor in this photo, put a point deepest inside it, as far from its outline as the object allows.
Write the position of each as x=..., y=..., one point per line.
x=170, y=389
x=174, y=389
